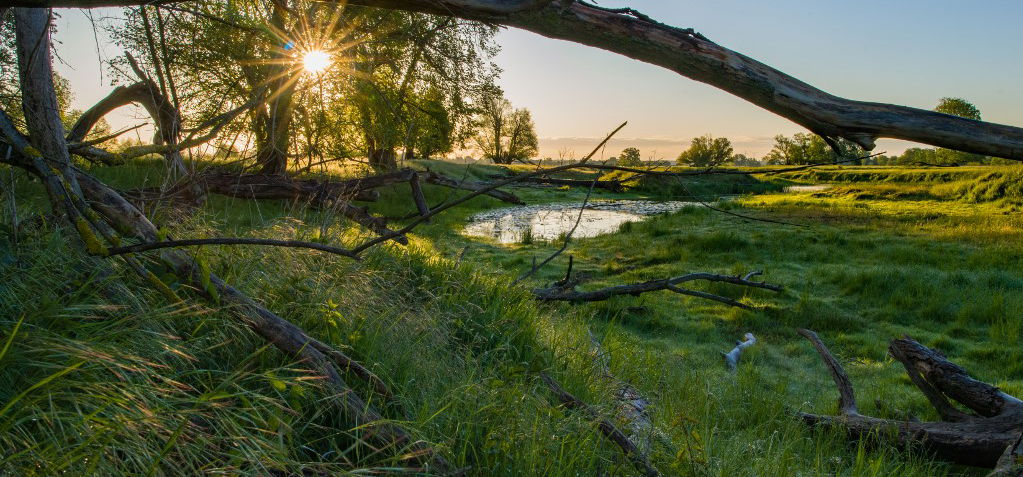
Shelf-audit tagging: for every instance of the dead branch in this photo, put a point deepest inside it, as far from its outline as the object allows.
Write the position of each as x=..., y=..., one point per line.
x=979, y=440
x=609, y=430
x=145, y=247
x=567, y=291
x=613, y=186
x=732, y=357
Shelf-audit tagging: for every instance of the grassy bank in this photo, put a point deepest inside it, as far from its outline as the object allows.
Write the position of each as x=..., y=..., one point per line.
x=101, y=375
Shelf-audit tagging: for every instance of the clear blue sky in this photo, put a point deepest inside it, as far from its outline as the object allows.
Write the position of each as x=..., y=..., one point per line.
x=909, y=52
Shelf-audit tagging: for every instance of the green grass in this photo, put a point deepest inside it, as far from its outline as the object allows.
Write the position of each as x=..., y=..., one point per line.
x=99, y=375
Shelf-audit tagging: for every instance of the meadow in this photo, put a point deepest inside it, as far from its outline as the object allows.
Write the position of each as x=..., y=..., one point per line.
x=101, y=374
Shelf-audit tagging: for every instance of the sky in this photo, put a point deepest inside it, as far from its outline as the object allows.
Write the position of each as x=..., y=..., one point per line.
x=910, y=52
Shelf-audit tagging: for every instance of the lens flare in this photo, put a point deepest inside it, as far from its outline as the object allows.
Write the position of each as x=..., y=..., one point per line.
x=316, y=61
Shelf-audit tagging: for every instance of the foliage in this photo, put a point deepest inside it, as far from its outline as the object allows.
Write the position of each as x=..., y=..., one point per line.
x=397, y=80
x=804, y=148
x=707, y=151
x=505, y=134
x=958, y=107
x=962, y=108
x=629, y=158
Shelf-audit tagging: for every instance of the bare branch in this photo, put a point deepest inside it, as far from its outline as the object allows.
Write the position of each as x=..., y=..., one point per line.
x=144, y=247
x=847, y=398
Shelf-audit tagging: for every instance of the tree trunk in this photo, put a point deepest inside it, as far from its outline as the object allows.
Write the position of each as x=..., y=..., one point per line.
x=692, y=55
x=275, y=139
x=978, y=439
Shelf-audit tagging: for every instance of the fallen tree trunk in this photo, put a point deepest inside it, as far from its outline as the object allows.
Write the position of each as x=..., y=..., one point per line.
x=979, y=439
x=690, y=54
x=564, y=290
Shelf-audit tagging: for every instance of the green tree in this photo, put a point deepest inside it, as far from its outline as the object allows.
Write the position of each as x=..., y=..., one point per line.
x=707, y=151
x=369, y=102
x=630, y=158
x=958, y=107
x=964, y=109
x=744, y=160
x=505, y=134
x=803, y=148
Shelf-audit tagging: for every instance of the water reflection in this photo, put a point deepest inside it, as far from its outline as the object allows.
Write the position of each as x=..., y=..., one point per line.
x=808, y=188
x=550, y=221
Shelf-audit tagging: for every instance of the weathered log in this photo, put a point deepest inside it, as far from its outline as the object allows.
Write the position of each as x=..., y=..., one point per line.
x=978, y=440
x=607, y=428
x=565, y=291
x=732, y=357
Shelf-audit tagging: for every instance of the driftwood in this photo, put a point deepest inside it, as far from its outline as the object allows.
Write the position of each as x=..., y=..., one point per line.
x=607, y=428
x=564, y=290
x=732, y=357
x=979, y=438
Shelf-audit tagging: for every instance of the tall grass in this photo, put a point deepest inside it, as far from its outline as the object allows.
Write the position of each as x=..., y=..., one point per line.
x=100, y=376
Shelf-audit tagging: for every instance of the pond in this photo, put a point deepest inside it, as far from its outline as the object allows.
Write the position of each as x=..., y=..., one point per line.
x=550, y=221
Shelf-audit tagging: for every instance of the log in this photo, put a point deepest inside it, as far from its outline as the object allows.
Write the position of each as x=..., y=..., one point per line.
x=978, y=439
x=688, y=53
x=565, y=290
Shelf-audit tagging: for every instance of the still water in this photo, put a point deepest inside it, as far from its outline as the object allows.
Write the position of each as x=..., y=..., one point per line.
x=550, y=221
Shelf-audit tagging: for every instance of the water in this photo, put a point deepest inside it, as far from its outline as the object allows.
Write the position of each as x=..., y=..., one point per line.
x=808, y=188
x=550, y=221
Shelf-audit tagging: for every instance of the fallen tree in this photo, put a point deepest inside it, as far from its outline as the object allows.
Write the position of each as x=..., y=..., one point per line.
x=565, y=289
x=980, y=437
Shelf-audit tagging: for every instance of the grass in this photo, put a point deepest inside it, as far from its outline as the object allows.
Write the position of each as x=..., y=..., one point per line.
x=99, y=375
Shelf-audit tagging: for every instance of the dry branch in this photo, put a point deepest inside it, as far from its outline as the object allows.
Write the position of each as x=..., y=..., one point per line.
x=979, y=440
x=565, y=291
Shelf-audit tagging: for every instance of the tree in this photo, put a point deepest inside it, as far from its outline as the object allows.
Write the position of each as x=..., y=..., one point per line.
x=744, y=160
x=964, y=109
x=373, y=99
x=804, y=148
x=505, y=134
x=958, y=107
x=707, y=151
x=630, y=158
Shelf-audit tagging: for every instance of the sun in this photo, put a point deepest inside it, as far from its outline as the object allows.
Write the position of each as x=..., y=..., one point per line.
x=315, y=61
